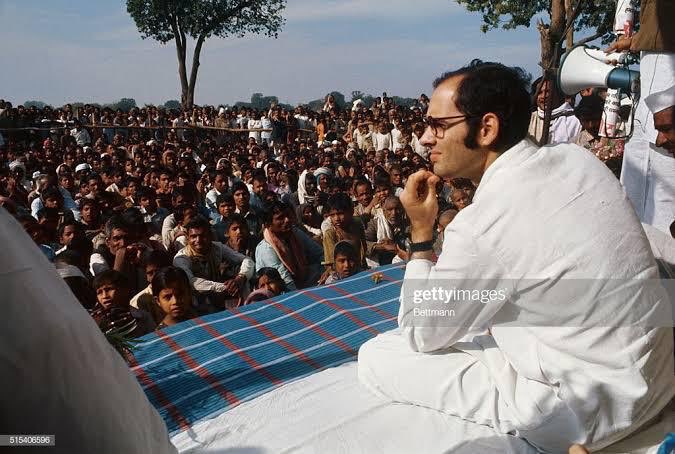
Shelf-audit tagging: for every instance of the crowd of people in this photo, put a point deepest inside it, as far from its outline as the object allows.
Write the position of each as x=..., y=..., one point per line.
x=153, y=217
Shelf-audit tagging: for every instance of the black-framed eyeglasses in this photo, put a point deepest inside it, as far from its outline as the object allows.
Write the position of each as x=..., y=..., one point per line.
x=438, y=125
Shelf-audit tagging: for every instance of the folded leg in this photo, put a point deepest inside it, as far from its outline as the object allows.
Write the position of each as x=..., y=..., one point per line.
x=475, y=386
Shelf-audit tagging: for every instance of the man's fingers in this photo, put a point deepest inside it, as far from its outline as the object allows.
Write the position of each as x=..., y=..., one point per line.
x=432, y=181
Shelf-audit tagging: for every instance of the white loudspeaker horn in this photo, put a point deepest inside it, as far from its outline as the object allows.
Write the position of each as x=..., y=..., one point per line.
x=582, y=68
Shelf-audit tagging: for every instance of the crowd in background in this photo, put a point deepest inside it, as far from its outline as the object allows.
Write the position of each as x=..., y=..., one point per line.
x=154, y=216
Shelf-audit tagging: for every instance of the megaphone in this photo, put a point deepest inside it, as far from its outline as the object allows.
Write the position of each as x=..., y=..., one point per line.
x=582, y=67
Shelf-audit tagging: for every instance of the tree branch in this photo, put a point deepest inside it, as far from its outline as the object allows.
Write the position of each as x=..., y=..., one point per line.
x=588, y=39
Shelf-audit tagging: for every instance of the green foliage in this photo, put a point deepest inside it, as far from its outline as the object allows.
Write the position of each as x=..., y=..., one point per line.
x=37, y=104
x=123, y=344
x=596, y=15
x=172, y=104
x=124, y=104
x=405, y=102
x=160, y=19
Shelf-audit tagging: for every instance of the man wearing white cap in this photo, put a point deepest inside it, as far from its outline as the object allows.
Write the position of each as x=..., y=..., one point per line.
x=662, y=106
x=648, y=170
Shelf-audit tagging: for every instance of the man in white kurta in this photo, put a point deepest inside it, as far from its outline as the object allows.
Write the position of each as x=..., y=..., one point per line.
x=563, y=351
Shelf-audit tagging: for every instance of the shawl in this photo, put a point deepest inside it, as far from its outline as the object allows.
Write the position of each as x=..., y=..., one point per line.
x=291, y=254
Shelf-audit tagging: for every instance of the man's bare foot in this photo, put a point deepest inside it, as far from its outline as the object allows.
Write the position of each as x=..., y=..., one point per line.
x=577, y=449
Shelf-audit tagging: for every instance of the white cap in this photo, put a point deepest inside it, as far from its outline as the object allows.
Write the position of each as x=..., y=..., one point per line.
x=81, y=167
x=656, y=102
x=221, y=111
x=151, y=142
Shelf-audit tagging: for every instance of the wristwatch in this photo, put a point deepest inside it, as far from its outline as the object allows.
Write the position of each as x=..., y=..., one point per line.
x=422, y=246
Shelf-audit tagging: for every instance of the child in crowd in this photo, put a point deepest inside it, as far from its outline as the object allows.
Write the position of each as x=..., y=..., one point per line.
x=444, y=219
x=344, y=227
x=112, y=312
x=144, y=299
x=172, y=293
x=268, y=285
x=345, y=262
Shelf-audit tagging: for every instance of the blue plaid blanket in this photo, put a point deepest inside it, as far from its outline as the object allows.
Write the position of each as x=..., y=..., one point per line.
x=201, y=368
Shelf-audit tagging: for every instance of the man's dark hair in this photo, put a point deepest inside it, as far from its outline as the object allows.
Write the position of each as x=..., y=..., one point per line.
x=344, y=248
x=133, y=218
x=158, y=258
x=225, y=197
x=363, y=182
x=235, y=218
x=85, y=201
x=239, y=186
x=493, y=87
x=111, y=277
x=339, y=202
x=179, y=211
x=259, y=175
x=115, y=222
x=145, y=192
x=69, y=222
x=164, y=277
x=382, y=181
x=52, y=192
x=198, y=222
x=272, y=209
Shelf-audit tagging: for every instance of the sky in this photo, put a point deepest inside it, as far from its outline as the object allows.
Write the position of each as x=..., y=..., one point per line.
x=59, y=51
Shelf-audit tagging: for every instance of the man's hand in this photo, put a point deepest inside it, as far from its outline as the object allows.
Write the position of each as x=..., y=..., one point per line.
x=232, y=286
x=385, y=245
x=620, y=45
x=420, y=204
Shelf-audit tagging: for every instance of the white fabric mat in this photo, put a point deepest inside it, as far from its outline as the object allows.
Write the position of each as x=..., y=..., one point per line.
x=330, y=412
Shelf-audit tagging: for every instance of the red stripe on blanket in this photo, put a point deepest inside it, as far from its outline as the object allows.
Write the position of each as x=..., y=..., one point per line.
x=200, y=370
x=360, y=302
x=340, y=310
x=229, y=344
x=150, y=386
x=313, y=326
x=263, y=329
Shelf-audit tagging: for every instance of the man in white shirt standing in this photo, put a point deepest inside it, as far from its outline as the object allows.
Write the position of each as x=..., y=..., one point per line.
x=565, y=126
x=560, y=345
x=80, y=134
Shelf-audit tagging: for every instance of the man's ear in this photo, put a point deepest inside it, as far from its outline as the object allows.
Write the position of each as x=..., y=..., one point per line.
x=488, y=132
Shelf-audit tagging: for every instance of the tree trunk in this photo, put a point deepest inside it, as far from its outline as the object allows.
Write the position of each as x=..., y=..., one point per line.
x=569, y=39
x=550, y=55
x=194, y=71
x=181, y=49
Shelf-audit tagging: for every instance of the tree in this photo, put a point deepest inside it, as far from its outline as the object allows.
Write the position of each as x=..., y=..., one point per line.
x=167, y=20
x=339, y=99
x=37, y=104
x=124, y=104
x=564, y=17
x=172, y=104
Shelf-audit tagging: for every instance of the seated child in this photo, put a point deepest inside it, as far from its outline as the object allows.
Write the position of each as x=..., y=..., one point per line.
x=344, y=227
x=268, y=285
x=444, y=219
x=345, y=262
x=172, y=293
x=144, y=299
x=113, y=312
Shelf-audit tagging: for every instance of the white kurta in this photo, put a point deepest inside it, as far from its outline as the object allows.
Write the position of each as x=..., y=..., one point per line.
x=59, y=373
x=541, y=220
x=648, y=171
